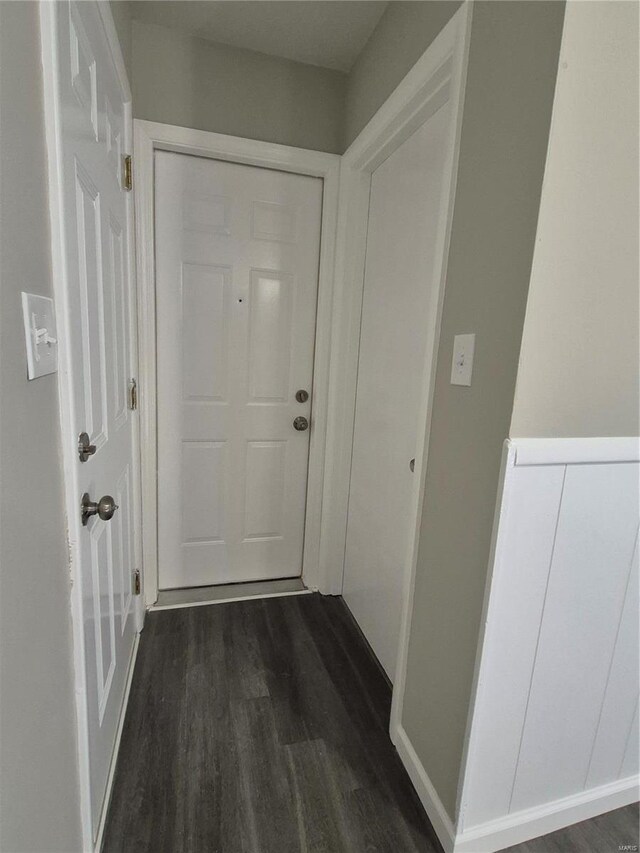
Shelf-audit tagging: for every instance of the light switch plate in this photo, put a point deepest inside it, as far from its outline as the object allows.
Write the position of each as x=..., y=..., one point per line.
x=40, y=335
x=462, y=363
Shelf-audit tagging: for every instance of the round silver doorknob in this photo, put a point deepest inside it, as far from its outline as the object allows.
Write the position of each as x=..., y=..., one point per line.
x=104, y=508
x=85, y=448
x=300, y=423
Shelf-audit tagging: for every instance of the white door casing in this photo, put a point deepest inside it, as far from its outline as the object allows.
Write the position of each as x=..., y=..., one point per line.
x=237, y=254
x=89, y=130
x=400, y=292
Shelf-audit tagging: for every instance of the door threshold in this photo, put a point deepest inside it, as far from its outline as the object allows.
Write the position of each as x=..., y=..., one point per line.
x=170, y=599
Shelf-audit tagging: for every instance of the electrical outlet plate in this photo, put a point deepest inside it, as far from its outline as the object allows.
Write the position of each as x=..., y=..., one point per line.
x=462, y=362
x=40, y=335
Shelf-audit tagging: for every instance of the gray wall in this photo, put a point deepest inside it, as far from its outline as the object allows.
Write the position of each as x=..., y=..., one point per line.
x=39, y=799
x=512, y=71
x=578, y=371
x=178, y=79
x=401, y=37
x=121, y=11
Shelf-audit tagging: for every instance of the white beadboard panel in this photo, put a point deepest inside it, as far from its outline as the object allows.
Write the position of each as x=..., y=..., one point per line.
x=619, y=703
x=555, y=715
x=629, y=766
x=523, y=560
x=585, y=598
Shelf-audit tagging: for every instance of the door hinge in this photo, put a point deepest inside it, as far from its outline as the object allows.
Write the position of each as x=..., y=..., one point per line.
x=133, y=395
x=127, y=173
x=136, y=582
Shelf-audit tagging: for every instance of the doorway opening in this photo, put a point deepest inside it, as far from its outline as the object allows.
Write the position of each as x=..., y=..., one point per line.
x=236, y=244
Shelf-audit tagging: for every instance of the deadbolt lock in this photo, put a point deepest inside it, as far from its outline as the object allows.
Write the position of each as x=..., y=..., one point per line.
x=85, y=448
x=300, y=423
x=302, y=396
x=104, y=508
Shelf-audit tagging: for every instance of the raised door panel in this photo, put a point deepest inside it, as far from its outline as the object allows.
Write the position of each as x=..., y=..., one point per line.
x=83, y=70
x=92, y=331
x=209, y=214
x=270, y=316
x=265, y=489
x=119, y=316
x=122, y=523
x=204, y=332
x=113, y=140
x=103, y=610
x=273, y=221
x=203, y=482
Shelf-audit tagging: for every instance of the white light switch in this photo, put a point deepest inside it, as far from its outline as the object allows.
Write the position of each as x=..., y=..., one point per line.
x=462, y=364
x=40, y=334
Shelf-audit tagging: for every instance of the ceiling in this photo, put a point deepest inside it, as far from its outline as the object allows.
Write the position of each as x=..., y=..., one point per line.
x=330, y=34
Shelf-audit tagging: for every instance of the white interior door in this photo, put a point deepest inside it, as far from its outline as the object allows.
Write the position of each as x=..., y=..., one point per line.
x=93, y=131
x=237, y=254
x=399, y=291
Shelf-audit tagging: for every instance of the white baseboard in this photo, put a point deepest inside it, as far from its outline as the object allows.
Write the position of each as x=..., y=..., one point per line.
x=181, y=605
x=532, y=823
x=513, y=828
x=428, y=795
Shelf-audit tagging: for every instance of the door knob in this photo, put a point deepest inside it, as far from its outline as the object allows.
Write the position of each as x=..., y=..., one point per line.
x=104, y=508
x=85, y=449
x=300, y=423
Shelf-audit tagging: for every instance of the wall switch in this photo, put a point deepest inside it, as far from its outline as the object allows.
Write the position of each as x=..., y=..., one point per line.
x=462, y=364
x=40, y=335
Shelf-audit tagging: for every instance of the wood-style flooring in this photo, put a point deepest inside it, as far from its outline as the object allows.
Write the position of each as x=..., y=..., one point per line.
x=262, y=727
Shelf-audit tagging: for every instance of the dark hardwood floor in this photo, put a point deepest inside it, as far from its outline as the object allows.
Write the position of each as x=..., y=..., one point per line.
x=261, y=727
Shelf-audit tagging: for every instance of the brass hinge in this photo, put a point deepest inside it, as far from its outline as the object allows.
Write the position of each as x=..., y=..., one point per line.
x=136, y=582
x=133, y=395
x=127, y=174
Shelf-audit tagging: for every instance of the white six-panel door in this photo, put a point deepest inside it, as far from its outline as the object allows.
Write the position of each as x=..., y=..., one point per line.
x=94, y=218
x=399, y=291
x=237, y=254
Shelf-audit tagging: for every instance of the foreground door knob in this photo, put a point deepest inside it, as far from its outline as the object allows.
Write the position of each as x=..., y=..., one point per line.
x=300, y=423
x=104, y=508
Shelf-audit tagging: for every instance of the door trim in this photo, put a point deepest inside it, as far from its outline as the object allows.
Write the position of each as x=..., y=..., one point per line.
x=50, y=62
x=438, y=76
x=148, y=138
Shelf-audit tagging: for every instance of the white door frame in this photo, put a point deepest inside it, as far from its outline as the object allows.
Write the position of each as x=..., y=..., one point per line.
x=65, y=394
x=150, y=137
x=438, y=76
